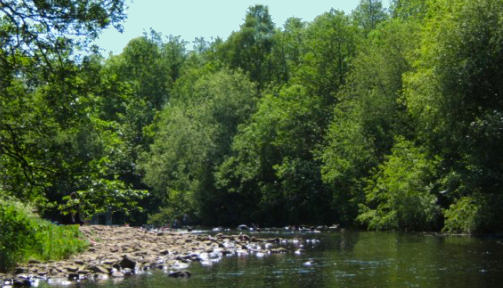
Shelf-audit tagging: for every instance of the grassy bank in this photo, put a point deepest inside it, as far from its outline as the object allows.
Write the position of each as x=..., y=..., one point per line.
x=24, y=236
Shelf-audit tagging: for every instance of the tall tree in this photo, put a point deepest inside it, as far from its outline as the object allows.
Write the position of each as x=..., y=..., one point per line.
x=193, y=135
x=368, y=14
x=53, y=150
x=369, y=115
x=454, y=93
x=250, y=47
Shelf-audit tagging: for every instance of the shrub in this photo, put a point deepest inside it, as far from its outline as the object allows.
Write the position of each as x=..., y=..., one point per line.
x=477, y=213
x=462, y=216
x=16, y=234
x=399, y=196
x=23, y=236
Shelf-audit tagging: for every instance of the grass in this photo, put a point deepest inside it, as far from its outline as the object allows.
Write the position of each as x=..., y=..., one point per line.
x=24, y=236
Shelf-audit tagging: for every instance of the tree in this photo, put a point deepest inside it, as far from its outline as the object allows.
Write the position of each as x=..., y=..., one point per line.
x=250, y=47
x=193, y=135
x=272, y=165
x=399, y=194
x=53, y=149
x=369, y=114
x=329, y=46
x=40, y=27
x=408, y=9
x=453, y=93
x=368, y=14
x=286, y=55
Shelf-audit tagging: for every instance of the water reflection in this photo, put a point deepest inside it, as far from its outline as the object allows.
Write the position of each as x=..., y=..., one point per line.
x=351, y=259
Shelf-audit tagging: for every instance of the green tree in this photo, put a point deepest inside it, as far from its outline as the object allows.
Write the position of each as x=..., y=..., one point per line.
x=192, y=137
x=453, y=93
x=287, y=51
x=272, y=165
x=368, y=14
x=53, y=149
x=250, y=47
x=136, y=85
x=399, y=194
x=408, y=9
x=329, y=46
x=369, y=115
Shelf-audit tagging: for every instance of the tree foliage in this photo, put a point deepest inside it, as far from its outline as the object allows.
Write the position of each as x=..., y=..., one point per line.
x=383, y=118
x=400, y=193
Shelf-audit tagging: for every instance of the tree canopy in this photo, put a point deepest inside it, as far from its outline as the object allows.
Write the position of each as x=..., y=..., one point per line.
x=386, y=118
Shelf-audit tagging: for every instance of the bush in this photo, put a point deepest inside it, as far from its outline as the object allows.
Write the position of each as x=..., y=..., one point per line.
x=462, y=216
x=16, y=234
x=478, y=213
x=399, y=196
x=23, y=236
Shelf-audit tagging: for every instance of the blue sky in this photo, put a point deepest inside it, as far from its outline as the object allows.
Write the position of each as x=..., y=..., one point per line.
x=207, y=18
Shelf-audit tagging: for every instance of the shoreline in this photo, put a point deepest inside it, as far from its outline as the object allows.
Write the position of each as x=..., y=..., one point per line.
x=120, y=251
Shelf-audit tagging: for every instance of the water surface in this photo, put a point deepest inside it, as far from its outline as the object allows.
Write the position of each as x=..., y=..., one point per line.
x=350, y=259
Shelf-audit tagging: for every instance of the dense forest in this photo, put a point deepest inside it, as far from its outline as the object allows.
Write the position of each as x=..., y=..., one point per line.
x=381, y=119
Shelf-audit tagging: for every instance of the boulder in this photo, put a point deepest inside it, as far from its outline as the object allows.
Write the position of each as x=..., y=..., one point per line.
x=127, y=262
x=98, y=269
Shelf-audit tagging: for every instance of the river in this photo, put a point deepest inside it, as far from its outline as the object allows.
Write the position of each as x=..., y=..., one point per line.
x=349, y=259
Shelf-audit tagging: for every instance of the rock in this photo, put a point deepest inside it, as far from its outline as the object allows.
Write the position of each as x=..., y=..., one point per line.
x=98, y=269
x=127, y=271
x=58, y=281
x=101, y=277
x=179, y=274
x=84, y=272
x=178, y=265
x=244, y=237
x=21, y=282
x=243, y=227
x=73, y=276
x=278, y=250
x=72, y=268
x=117, y=274
x=334, y=227
x=109, y=261
x=127, y=262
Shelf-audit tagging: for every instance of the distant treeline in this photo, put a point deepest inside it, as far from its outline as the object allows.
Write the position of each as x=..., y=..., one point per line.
x=383, y=119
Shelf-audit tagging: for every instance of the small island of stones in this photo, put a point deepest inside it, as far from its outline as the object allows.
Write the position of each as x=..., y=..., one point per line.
x=121, y=251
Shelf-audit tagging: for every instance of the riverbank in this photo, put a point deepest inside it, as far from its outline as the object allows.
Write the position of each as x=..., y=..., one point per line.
x=117, y=252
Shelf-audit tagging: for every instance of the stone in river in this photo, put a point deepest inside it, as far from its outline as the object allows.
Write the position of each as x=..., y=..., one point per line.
x=117, y=274
x=127, y=262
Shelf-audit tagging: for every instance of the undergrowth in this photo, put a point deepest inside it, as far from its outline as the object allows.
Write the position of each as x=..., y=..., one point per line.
x=24, y=236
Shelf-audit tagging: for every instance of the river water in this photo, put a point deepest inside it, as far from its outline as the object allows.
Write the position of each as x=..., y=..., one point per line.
x=349, y=259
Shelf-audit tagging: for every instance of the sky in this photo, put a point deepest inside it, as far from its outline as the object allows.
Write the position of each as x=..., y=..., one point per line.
x=207, y=18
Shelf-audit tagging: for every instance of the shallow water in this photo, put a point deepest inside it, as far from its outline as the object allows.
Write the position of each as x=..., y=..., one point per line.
x=350, y=259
